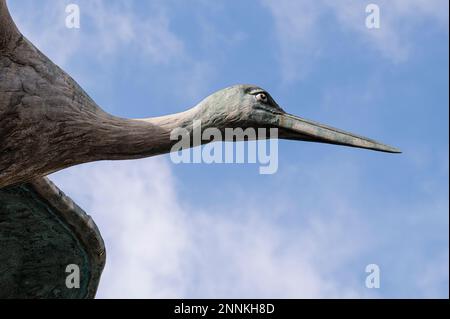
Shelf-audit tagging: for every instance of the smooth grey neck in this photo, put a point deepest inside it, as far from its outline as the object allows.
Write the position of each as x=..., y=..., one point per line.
x=117, y=138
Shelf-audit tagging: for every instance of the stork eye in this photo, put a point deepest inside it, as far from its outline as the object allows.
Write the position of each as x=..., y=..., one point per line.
x=261, y=97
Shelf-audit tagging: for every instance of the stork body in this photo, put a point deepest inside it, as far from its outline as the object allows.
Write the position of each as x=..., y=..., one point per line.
x=47, y=121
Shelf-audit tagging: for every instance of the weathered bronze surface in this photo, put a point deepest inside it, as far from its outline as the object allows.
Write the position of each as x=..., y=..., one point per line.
x=41, y=232
x=48, y=123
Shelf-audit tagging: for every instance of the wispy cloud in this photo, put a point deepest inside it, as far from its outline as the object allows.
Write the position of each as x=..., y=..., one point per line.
x=399, y=22
x=115, y=33
x=158, y=246
x=300, y=24
x=297, y=34
x=106, y=28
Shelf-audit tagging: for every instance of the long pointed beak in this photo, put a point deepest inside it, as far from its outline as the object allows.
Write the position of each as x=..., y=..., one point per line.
x=295, y=128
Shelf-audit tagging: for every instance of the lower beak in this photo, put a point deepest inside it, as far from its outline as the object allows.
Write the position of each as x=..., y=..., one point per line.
x=295, y=128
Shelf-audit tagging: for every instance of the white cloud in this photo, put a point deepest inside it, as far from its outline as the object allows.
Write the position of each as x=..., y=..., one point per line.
x=313, y=246
x=114, y=32
x=300, y=24
x=159, y=247
x=142, y=224
x=106, y=27
x=297, y=34
x=399, y=20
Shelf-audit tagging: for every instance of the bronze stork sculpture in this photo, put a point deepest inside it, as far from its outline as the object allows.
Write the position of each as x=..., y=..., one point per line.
x=48, y=123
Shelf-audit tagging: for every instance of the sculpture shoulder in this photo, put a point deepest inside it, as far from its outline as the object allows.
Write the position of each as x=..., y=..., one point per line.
x=39, y=104
x=28, y=79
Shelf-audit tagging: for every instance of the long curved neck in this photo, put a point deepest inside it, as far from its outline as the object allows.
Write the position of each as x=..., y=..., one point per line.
x=118, y=138
x=8, y=29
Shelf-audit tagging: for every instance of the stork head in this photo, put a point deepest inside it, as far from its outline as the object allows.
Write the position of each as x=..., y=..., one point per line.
x=249, y=106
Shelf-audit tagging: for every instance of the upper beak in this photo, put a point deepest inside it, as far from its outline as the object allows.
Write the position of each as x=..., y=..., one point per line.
x=295, y=128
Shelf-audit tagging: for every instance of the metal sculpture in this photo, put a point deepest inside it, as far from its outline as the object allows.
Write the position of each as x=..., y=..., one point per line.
x=48, y=123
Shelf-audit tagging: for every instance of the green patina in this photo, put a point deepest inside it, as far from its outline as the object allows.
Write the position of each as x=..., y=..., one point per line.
x=36, y=245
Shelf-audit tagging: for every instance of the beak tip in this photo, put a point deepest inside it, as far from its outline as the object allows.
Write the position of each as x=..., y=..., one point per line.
x=393, y=150
x=305, y=130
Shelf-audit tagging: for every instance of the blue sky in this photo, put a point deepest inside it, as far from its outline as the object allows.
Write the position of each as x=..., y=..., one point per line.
x=223, y=230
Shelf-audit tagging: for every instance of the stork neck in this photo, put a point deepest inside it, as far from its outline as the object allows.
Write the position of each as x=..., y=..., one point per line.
x=8, y=29
x=118, y=138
